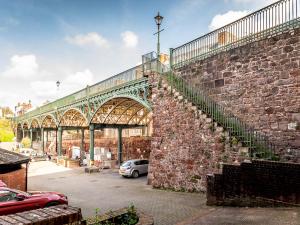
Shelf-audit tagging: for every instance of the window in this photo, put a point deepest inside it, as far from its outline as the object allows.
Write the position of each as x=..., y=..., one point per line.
x=137, y=163
x=126, y=164
x=6, y=196
x=144, y=162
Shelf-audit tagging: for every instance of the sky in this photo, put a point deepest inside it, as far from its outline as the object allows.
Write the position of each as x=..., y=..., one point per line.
x=81, y=42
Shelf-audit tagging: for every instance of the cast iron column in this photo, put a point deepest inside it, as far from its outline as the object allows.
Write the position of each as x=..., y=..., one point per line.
x=46, y=137
x=60, y=131
x=119, y=145
x=31, y=139
x=82, y=140
x=92, y=128
x=42, y=137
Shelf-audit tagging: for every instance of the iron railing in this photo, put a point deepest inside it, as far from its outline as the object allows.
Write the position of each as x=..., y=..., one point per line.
x=257, y=142
x=271, y=20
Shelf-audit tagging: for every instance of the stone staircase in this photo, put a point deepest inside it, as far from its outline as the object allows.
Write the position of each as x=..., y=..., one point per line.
x=232, y=140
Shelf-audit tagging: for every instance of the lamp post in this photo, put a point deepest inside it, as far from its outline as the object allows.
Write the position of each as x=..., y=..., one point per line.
x=158, y=20
x=57, y=84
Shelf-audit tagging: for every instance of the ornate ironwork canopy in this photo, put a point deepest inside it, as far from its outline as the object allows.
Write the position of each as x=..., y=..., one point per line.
x=122, y=111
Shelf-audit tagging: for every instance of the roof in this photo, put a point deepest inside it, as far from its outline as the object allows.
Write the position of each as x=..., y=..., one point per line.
x=12, y=158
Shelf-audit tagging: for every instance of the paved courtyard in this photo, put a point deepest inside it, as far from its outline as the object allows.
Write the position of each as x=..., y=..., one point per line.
x=108, y=191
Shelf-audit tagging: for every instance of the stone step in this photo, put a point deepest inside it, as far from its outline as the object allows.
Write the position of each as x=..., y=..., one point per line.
x=202, y=115
x=208, y=120
x=165, y=86
x=180, y=98
x=190, y=105
x=219, y=129
x=194, y=108
x=244, y=150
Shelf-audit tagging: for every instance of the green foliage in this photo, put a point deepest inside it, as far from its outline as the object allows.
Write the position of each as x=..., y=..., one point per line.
x=129, y=217
x=234, y=141
x=26, y=142
x=6, y=132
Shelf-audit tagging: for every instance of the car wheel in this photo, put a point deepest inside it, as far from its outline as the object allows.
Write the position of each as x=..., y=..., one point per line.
x=51, y=204
x=135, y=174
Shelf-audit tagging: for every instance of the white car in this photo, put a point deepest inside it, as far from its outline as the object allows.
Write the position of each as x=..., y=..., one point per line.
x=134, y=168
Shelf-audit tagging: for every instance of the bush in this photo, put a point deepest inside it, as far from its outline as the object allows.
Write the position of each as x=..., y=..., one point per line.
x=26, y=142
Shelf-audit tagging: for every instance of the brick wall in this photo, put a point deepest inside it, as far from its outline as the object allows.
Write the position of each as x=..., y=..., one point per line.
x=185, y=146
x=15, y=179
x=133, y=147
x=260, y=84
x=259, y=183
x=61, y=214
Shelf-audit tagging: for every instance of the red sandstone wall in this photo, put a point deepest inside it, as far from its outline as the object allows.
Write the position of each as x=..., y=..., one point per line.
x=259, y=83
x=15, y=179
x=184, y=146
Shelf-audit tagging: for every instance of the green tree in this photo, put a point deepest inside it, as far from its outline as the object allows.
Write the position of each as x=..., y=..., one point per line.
x=6, y=132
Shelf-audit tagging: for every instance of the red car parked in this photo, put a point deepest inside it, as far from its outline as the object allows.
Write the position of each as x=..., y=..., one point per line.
x=14, y=201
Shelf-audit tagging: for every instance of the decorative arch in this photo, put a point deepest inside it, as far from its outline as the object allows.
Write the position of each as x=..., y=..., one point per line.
x=34, y=123
x=25, y=125
x=73, y=117
x=48, y=122
x=19, y=126
x=123, y=110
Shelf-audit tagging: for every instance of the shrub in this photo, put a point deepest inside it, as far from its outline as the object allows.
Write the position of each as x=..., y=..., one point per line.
x=26, y=142
x=6, y=132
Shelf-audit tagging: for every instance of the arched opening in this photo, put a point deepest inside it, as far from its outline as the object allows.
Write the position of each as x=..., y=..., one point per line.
x=71, y=125
x=49, y=125
x=34, y=124
x=48, y=122
x=123, y=127
x=73, y=118
x=25, y=128
x=35, y=133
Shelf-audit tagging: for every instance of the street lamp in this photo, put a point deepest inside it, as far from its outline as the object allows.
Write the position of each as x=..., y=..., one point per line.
x=57, y=84
x=158, y=20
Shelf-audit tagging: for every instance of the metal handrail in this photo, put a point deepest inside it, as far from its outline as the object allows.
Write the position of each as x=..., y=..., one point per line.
x=257, y=142
x=268, y=21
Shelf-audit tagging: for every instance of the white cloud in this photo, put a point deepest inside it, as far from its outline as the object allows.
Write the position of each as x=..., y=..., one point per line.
x=71, y=83
x=80, y=78
x=130, y=39
x=21, y=66
x=43, y=89
x=89, y=39
x=221, y=20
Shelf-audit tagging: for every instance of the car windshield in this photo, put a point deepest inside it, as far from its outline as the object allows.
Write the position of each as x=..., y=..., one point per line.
x=126, y=164
x=20, y=192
